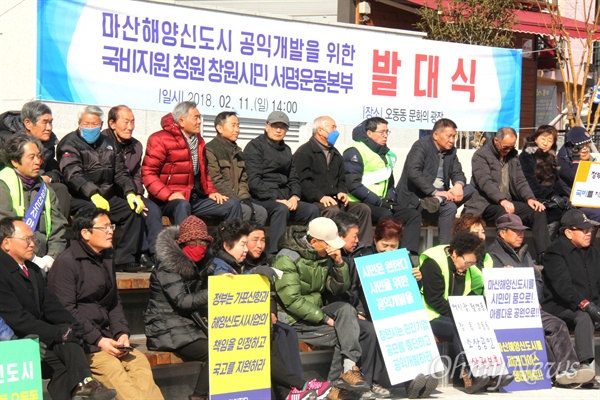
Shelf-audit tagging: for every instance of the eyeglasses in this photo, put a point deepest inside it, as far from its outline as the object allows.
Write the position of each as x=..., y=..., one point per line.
x=29, y=239
x=469, y=264
x=584, y=231
x=197, y=242
x=279, y=125
x=106, y=228
x=507, y=148
x=385, y=132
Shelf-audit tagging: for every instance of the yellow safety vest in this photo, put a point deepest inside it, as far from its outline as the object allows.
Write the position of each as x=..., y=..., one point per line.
x=376, y=171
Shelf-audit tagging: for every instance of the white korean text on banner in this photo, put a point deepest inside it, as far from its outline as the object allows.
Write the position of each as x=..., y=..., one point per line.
x=514, y=311
x=586, y=188
x=477, y=335
x=153, y=56
x=403, y=331
x=20, y=369
x=239, y=337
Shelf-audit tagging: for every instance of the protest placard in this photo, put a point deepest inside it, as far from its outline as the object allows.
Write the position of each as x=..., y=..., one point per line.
x=20, y=370
x=477, y=336
x=239, y=337
x=398, y=314
x=586, y=188
x=514, y=311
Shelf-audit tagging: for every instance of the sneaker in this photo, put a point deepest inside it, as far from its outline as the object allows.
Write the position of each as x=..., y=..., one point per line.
x=580, y=374
x=431, y=204
x=296, y=394
x=472, y=384
x=498, y=382
x=93, y=390
x=340, y=394
x=414, y=387
x=380, y=392
x=353, y=380
x=322, y=388
x=430, y=386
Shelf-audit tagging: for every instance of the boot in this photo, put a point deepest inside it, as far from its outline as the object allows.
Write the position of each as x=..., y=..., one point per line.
x=472, y=384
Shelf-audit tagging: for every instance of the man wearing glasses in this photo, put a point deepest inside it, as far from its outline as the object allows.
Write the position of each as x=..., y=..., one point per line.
x=25, y=195
x=97, y=177
x=369, y=167
x=501, y=188
x=572, y=279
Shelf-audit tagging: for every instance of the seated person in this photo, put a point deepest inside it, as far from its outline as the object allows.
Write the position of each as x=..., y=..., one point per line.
x=509, y=251
x=540, y=167
x=312, y=264
x=273, y=180
x=430, y=168
x=29, y=308
x=179, y=297
x=96, y=175
x=175, y=170
x=85, y=283
x=230, y=251
x=20, y=184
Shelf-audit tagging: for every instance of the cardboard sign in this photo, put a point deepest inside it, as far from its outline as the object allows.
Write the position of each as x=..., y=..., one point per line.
x=403, y=331
x=239, y=337
x=20, y=370
x=514, y=311
x=477, y=335
x=586, y=188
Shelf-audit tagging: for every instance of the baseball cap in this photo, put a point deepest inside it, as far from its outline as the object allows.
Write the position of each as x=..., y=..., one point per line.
x=278, y=116
x=325, y=229
x=576, y=219
x=578, y=135
x=510, y=221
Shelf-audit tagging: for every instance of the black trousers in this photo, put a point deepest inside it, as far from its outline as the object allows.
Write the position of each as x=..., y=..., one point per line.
x=561, y=354
x=197, y=351
x=412, y=224
x=444, y=329
x=285, y=338
x=283, y=379
x=583, y=329
x=537, y=221
x=63, y=197
x=66, y=366
x=122, y=215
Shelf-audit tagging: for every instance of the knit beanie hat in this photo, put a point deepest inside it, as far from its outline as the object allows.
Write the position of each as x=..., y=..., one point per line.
x=193, y=228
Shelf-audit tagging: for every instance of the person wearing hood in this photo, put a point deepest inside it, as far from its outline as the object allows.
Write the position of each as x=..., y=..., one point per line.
x=25, y=195
x=175, y=170
x=35, y=119
x=273, y=179
x=121, y=124
x=369, y=167
x=575, y=149
x=540, y=167
x=96, y=175
x=313, y=266
x=230, y=249
x=175, y=318
x=501, y=188
x=322, y=176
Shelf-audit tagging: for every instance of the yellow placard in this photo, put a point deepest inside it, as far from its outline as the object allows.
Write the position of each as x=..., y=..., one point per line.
x=586, y=188
x=239, y=337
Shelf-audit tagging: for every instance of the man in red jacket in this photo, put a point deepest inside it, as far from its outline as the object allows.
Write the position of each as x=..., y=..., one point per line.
x=174, y=169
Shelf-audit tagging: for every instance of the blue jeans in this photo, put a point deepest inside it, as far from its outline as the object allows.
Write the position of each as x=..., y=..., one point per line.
x=179, y=210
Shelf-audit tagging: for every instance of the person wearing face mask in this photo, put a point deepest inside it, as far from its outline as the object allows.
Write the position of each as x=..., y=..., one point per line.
x=322, y=176
x=179, y=297
x=95, y=173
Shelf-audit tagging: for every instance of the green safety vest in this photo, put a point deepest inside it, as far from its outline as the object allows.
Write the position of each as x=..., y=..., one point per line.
x=477, y=278
x=376, y=171
x=438, y=254
x=15, y=187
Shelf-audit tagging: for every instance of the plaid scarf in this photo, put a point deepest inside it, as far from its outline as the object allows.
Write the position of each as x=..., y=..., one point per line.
x=193, y=144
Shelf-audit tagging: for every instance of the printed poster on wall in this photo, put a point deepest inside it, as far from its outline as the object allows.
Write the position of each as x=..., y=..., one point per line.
x=514, y=311
x=20, y=369
x=152, y=56
x=477, y=335
x=586, y=188
x=403, y=331
x=239, y=337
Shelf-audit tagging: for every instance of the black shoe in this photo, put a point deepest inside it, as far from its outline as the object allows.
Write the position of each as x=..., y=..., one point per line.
x=130, y=267
x=431, y=204
x=93, y=390
x=430, y=386
x=414, y=387
x=498, y=382
x=147, y=261
x=592, y=384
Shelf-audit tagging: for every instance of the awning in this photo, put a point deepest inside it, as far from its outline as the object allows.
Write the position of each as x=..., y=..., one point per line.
x=539, y=23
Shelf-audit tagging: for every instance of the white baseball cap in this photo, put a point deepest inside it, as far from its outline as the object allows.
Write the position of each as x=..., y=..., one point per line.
x=325, y=229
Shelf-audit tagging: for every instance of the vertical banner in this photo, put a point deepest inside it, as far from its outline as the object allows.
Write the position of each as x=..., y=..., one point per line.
x=403, y=331
x=20, y=370
x=477, y=335
x=514, y=311
x=239, y=337
x=586, y=188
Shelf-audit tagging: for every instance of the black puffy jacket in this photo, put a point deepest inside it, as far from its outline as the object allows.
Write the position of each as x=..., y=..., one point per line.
x=96, y=168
